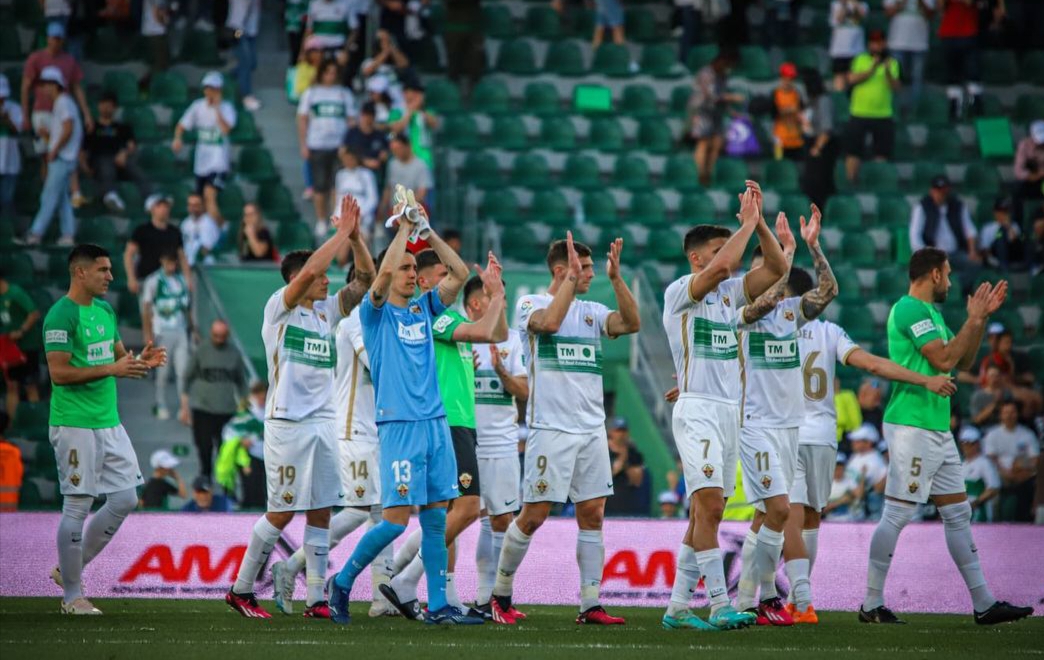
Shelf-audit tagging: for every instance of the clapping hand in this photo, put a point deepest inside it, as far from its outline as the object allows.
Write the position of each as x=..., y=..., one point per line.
x=612, y=264
x=783, y=233
x=153, y=356
x=347, y=220
x=810, y=230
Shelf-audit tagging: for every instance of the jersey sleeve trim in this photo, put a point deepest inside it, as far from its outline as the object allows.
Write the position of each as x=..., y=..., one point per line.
x=848, y=353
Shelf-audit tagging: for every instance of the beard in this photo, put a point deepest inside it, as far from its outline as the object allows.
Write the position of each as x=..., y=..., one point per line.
x=939, y=295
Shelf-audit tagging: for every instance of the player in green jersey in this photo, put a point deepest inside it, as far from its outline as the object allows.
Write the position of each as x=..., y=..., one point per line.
x=923, y=458
x=85, y=356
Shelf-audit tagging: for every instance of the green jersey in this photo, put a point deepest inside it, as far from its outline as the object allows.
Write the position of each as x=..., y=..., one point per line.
x=913, y=323
x=15, y=307
x=89, y=334
x=419, y=134
x=455, y=370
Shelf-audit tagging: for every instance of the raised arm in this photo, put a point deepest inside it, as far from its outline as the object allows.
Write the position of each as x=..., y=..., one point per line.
x=548, y=320
x=345, y=223
x=450, y=285
x=879, y=366
x=492, y=328
x=720, y=267
x=352, y=294
x=392, y=259
x=625, y=320
x=773, y=266
x=768, y=300
x=815, y=301
x=961, y=350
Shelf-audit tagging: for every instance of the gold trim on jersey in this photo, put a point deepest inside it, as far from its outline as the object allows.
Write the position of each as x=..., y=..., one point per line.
x=844, y=358
x=532, y=375
x=685, y=351
x=743, y=374
x=275, y=359
x=351, y=396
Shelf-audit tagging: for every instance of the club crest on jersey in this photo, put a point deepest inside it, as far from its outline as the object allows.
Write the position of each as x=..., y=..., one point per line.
x=415, y=309
x=322, y=317
x=288, y=497
x=402, y=489
x=74, y=479
x=527, y=305
x=541, y=486
x=100, y=328
x=766, y=482
x=465, y=480
x=589, y=320
x=725, y=299
x=788, y=315
x=914, y=487
x=708, y=470
x=360, y=491
x=503, y=353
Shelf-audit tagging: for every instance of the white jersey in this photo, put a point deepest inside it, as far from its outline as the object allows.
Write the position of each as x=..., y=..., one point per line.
x=496, y=419
x=702, y=335
x=197, y=234
x=329, y=20
x=981, y=469
x=822, y=344
x=353, y=389
x=169, y=297
x=771, y=362
x=212, y=145
x=565, y=369
x=868, y=465
x=328, y=108
x=301, y=355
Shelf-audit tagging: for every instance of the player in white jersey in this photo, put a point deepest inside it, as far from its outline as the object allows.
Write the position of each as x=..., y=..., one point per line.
x=360, y=472
x=301, y=456
x=773, y=410
x=822, y=345
x=700, y=320
x=567, y=452
x=500, y=382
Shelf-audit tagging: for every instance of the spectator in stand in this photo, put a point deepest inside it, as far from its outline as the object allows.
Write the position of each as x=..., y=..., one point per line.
x=787, y=107
x=11, y=469
x=215, y=382
x=328, y=20
x=941, y=220
x=365, y=140
x=18, y=316
x=295, y=13
x=141, y=257
x=1014, y=449
x=166, y=314
x=874, y=78
x=908, y=44
x=981, y=478
x=1015, y=374
x=669, y=505
x=628, y=467
x=867, y=468
x=817, y=181
x=200, y=234
x=65, y=134
x=255, y=241
x=691, y=20
x=385, y=71
x=847, y=38
x=325, y=112
x=986, y=402
x=358, y=32
x=164, y=482
x=56, y=12
x=465, y=44
x=247, y=429
x=359, y=182
x=307, y=68
x=1000, y=241
x=1029, y=170
x=1036, y=244
x=244, y=20
x=378, y=93
x=204, y=500
x=110, y=151
x=452, y=238
x=10, y=158
x=407, y=169
x=959, y=36
x=872, y=392
x=844, y=493
x=707, y=108
x=417, y=122
x=155, y=23
x=849, y=417
x=213, y=119
x=609, y=18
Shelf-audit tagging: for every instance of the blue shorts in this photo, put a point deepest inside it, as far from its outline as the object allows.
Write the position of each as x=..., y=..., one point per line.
x=610, y=13
x=418, y=465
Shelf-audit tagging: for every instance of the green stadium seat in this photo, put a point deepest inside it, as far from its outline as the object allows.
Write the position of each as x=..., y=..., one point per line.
x=106, y=46
x=999, y=67
x=443, y=96
x=647, y=209
x=731, y=174
x=461, y=132
x=132, y=198
x=640, y=25
x=843, y=212
x=661, y=61
x=893, y=211
x=858, y=323
x=581, y=171
x=933, y=108
x=18, y=267
x=803, y=57
x=231, y=200
x=541, y=99
x=550, y=207
x=558, y=135
x=256, y=164
x=294, y=236
x=481, y=169
x=991, y=106
x=516, y=57
x=245, y=131
x=276, y=202
x=530, y=170
x=100, y=231
x=1028, y=108
x=903, y=150
x=200, y=48
x=124, y=85
x=943, y=144
x=631, y=172
x=994, y=135
x=848, y=286
x=631, y=255
x=754, y=64
x=158, y=163
x=428, y=57
x=128, y=308
x=781, y=176
x=491, y=96
x=654, y=136
x=923, y=172
x=638, y=101
x=170, y=89
x=879, y=177
x=612, y=60
x=581, y=22
x=795, y=205
x=565, y=58
x=665, y=245
x=143, y=122
x=497, y=22
x=600, y=209
x=519, y=243
x=606, y=135
x=1031, y=68
x=700, y=56
x=858, y=251
x=543, y=23
x=680, y=99
x=981, y=178
x=696, y=208
x=680, y=173
x=500, y=206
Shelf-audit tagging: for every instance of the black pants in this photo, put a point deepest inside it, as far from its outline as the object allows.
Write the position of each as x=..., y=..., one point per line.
x=818, y=179
x=206, y=431
x=1022, y=191
x=107, y=173
x=255, y=488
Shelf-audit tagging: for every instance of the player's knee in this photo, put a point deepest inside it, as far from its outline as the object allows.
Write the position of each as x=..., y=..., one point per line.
x=956, y=516
x=318, y=518
x=500, y=523
x=777, y=510
x=121, y=503
x=709, y=510
x=898, y=514
x=77, y=506
x=591, y=518
x=280, y=519
x=531, y=519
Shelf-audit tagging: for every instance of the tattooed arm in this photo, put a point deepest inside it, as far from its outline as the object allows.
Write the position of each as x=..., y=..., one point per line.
x=768, y=300
x=815, y=301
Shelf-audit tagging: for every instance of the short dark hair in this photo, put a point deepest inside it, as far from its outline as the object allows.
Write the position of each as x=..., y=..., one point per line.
x=799, y=282
x=323, y=66
x=427, y=259
x=1008, y=401
x=450, y=234
x=401, y=137
x=110, y=97
x=369, y=108
x=558, y=253
x=924, y=261
x=471, y=287
x=292, y=263
x=700, y=235
x=86, y=252
x=169, y=253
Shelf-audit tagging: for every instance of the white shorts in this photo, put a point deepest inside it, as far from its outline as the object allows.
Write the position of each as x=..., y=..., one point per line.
x=41, y=121
x=360, y=472
x=921, y=463
x=561, y=466
x=94, y=461
x=768, y=457
x=706, y=433
x=499, y=482
x=813, y=476
x=302, y=465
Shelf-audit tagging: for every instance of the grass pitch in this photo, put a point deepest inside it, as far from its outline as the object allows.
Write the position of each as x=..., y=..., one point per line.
x=185, y=629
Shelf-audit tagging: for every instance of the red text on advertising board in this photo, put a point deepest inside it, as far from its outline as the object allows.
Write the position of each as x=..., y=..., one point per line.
x=159, y=561
x=625, y=565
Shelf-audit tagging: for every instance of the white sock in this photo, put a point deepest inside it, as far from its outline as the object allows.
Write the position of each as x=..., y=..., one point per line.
x=811, y=539
x=262, y=540
x=747, y=594
x=405, y=583
x=894, y=518
x=713, y=570
x=957, y=524
x=106, y=522
x=451, y=593
x=766, y=559
x=800, y=588
x=485, y=562
x=317, y=557
x=590, y=556
x=70, y=543
x=686, y=577
x=511, y=555
x=407, y=552
x=381, y=567
x=341, y=525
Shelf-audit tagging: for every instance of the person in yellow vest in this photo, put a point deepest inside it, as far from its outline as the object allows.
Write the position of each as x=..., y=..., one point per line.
x=11, y=470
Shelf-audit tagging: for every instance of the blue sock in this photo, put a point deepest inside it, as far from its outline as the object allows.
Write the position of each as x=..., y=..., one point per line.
x=434, y=555
x=370, y=545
